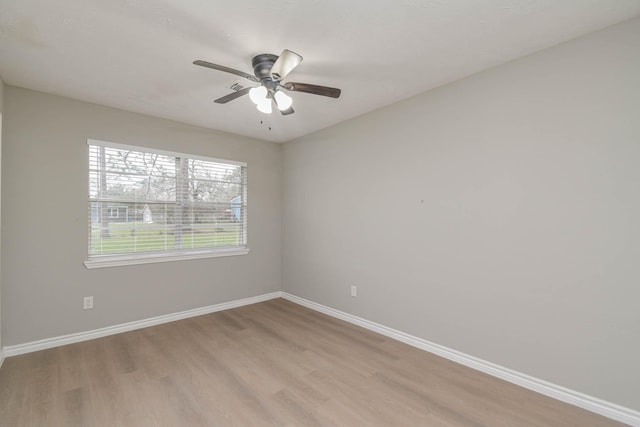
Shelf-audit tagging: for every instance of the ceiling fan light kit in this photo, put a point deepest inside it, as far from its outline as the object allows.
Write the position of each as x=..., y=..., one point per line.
x=283, y=100
x=258, y=94
x=264, y=106
x=269, y=70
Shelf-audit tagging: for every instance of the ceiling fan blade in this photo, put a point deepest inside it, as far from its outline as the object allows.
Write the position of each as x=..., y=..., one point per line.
x=331, y=92
x=285, y=63
x=225, y=69
x=233, y=95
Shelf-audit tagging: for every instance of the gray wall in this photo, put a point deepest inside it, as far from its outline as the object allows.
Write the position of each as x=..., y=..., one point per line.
x=497, y=215
x=44, y=221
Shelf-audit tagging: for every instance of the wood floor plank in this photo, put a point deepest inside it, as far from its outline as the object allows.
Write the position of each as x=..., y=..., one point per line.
x=274, y=364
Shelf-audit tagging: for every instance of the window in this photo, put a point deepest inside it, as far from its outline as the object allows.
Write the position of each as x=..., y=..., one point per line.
x=148, y=206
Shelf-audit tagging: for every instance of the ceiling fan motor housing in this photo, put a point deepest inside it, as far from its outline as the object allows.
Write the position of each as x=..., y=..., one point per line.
x=262, y=65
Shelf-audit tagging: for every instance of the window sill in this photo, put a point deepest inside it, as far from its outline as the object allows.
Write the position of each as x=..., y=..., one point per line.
x=118, y=261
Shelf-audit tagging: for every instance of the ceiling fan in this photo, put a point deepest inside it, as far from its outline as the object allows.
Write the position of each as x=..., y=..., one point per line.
x=269, y=70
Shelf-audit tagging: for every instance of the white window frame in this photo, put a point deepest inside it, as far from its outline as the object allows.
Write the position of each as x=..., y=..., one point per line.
x=99, y=261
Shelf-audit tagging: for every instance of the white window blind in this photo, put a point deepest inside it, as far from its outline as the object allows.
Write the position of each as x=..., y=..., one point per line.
x=148, y=203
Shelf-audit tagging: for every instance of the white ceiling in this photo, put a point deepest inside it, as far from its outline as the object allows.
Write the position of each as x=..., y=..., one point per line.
x=137, y=54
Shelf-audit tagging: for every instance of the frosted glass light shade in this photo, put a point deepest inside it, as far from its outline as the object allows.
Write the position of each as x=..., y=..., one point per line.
x=265, y=106
x=258, y=94
x=283, y=100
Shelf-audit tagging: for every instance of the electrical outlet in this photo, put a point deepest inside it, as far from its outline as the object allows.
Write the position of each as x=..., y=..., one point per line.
x=354, y=291
x=87, y=303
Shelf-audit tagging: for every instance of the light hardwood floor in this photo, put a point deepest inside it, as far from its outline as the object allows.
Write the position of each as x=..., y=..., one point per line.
x=272, y=364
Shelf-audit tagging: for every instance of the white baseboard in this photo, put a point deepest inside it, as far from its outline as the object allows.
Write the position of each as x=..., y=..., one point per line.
x=598, y=406
x=29, y=347
x=1, y=356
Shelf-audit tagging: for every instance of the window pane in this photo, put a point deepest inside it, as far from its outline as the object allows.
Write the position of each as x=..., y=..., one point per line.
x=152, y=202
